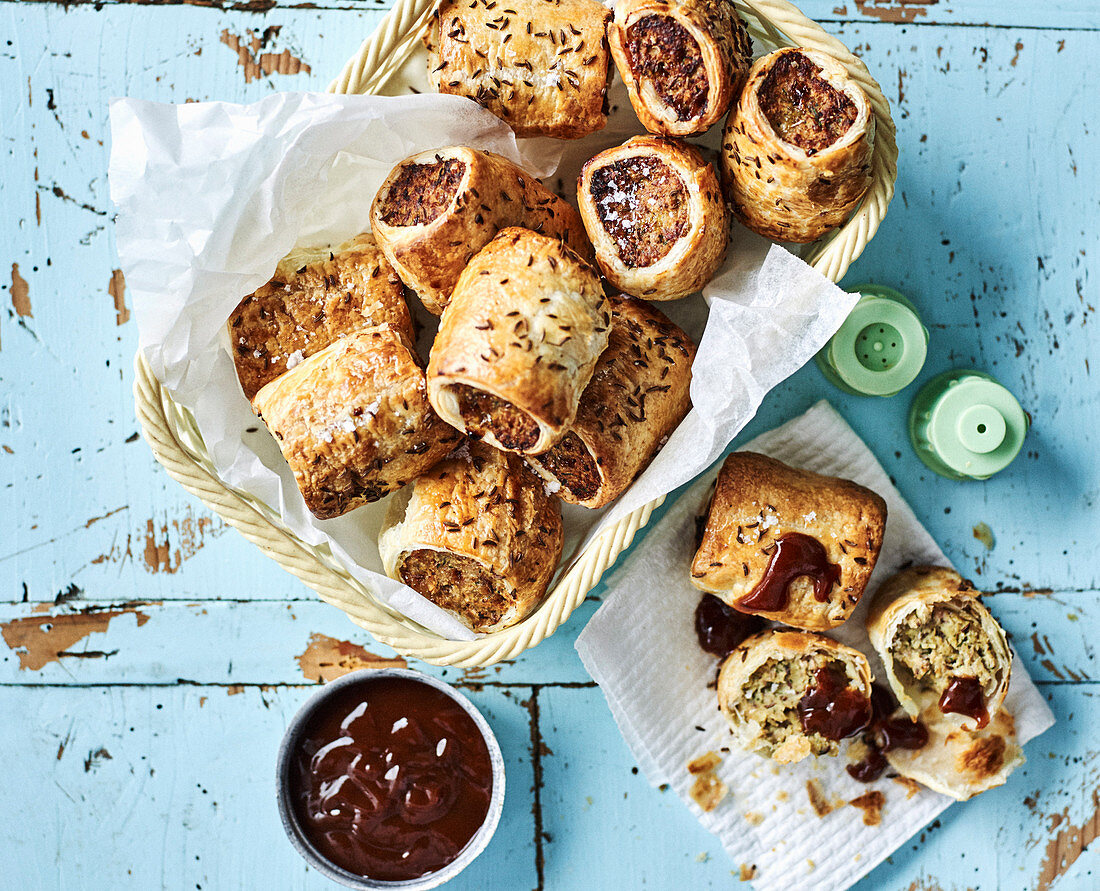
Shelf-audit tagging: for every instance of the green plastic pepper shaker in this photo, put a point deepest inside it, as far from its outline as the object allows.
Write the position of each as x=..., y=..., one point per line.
x=880, y=348
x=965, y=426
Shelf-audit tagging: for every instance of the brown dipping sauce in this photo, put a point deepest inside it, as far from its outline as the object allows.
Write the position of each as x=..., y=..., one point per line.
x=964, y=696
x=832, y=708
x=885, y=733
x=391, y=779
x=795, y=554
x=720, y=628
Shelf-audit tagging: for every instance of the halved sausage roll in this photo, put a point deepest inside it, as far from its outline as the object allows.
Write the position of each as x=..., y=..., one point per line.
x=683, y=62
x=787, y=544
x=437, y=209
x=796, y=149
x=477, y=535
x=789, y=694
x=316, y=295
x=540, y=65
x=639, y=393
x=654, y=211
x=946, y=658
x=519, y=342
x=353, y=421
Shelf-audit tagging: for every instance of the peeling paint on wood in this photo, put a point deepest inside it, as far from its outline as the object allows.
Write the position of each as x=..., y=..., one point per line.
x=327, y=658
x=1068, y=845
x=20, y=292
x=257, y=64
x=896, y=11
x=39, y=640
x=116, y=287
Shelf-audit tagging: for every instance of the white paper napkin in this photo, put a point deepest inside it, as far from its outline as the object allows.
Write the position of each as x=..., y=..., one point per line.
x=640, y=647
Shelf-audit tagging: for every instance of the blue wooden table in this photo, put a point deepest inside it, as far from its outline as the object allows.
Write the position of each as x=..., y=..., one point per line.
x=152, y=657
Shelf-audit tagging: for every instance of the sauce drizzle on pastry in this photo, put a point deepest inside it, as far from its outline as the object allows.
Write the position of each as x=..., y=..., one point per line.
x=885, y=733
x=831, y=708
x=964, y=696
x=795, y=555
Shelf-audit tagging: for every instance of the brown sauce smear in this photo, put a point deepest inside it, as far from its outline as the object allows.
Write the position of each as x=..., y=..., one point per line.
x=485, y=413
x=662, y=51
x=964, y=696
x=803, y=108
x=422, y=192
x=885, y=733
x=391, y=779
x=831, y=708
x=642, y=205
x=573, y=466
x=795, y=555
x=456, y=583
x=720, y=628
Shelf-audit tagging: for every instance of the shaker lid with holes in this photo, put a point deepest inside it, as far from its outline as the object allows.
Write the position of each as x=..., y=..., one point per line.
x=880, y=348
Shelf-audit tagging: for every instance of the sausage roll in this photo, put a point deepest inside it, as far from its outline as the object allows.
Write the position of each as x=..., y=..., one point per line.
x=438, y=208
x=477, y=535
x=787, y=544
x=519, y=342
x=796, y=150
x=683, y=61
x=353, y=421
x=316, y=295
x=946, y=658
x=961, y=763
x=654, y=211
x=789, y=694
x=541, y=66
x=638, y=395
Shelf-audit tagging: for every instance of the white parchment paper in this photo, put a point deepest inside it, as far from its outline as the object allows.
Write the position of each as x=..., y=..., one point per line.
x=211, y=195
x=640, y=647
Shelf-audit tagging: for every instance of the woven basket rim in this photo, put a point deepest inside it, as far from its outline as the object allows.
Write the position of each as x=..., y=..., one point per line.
x=176, y=443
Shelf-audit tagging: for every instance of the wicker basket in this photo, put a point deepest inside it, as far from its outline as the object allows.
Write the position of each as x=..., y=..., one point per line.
x=178, y=445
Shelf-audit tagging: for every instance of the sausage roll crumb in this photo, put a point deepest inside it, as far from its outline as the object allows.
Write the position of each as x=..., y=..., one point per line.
x=477, y=535
x=353, y=421
x=683, y=62
x=796, y=150
x=655, y=214
x=787, y=544
x=316, y=295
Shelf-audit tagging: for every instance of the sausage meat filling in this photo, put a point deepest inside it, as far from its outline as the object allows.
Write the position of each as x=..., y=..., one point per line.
x=422, y=192
x=932, y=647
x=573, y=466
x=802, y=107
x=642, y=205
x=485, y=413
x=456, y=583
x=662, y=51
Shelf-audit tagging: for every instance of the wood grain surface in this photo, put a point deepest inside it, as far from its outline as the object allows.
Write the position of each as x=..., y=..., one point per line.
x=152, y=657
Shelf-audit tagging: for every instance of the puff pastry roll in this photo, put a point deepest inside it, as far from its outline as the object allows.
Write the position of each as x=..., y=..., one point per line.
x=789, y=694
x=316, y=295
x=477, y=535
x=683, y=61
x=541, y=66
x=796, y=150
x=437, y=209
x=655, y=214
x=519, y=342
x=353, y=421
x=787, y=544
x=639, y=393
x=946, y=658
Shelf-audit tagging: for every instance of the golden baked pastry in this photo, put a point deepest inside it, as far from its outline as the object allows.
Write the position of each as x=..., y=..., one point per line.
x=654, y=211
x=683, y=61
x=789, y=694
x=940, y=647
x=353, y=421
x=477, y=535
x=796, y=149
x=639, y=393
x=316, y=295
x=540, y=65
x=437, y=209
x=519, y=342
x=787, y=544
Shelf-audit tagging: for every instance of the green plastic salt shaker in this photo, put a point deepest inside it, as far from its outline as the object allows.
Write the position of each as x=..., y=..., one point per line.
x=965, y=425
x=880, y=348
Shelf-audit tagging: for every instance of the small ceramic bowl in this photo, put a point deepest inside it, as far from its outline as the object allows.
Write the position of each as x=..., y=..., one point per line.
x=302, y=843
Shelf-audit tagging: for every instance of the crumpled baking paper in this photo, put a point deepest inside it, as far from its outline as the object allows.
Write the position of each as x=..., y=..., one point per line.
x=640, y=647
x=211, y=195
